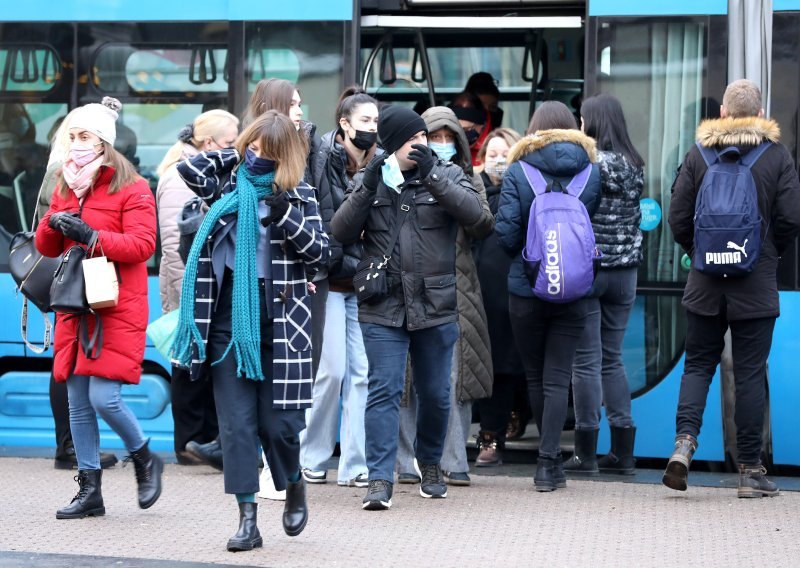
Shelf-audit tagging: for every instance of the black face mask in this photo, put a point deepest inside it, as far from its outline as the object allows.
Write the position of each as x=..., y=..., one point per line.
x=364, y=140
x=257, y=166
x=472, y=136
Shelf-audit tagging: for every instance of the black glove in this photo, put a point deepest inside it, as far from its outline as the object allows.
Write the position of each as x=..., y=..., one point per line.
x=424, y=158
x=372, y=174
x=76, y=229
x=54, y=220
x=278, y=206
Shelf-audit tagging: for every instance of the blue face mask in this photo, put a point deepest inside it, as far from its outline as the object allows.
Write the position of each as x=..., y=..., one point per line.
x=444, y=151
x=392, y=175
x=257, y=166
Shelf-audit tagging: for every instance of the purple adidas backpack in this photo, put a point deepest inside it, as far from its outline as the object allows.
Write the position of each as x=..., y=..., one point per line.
x=560, y=255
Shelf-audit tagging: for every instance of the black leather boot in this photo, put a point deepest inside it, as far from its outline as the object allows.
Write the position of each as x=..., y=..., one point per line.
x=545, y=478
x=584, y=461
x=247, y=537
x=558, y=471
x=148, y=467
x=677, y=472
x=89, y=500
x=620, y=459
x=66, y=458
x=295, y=511
x=210, y=453
x=753, y=482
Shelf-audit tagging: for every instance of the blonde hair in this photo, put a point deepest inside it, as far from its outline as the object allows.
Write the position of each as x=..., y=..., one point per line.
x=742, y=98
x=279, y=141
x=210, y=124
x=269, y=94
x=510, y=136
x=60, y=143
x=124, y=172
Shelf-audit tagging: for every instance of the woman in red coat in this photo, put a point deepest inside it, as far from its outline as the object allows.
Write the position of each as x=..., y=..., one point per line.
x=100, y=198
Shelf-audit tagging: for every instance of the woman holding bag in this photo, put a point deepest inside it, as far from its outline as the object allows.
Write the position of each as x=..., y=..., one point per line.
x=101, y=200
x=245, y=313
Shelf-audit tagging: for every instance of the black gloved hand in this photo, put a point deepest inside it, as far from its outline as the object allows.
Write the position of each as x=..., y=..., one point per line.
x=76, y=229
x=424, y=158
x=372, y=174
x=278, y=206
x=53, y=223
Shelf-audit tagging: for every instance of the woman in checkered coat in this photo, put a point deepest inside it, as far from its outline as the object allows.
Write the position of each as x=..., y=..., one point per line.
x=245, y=308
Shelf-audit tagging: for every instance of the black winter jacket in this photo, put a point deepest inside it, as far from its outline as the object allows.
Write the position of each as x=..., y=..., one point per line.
x=616, y=223
x=421, y=271
x=755, y=295
x=559, y=155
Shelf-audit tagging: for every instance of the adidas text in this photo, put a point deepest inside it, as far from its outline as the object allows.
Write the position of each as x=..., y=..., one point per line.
x=552, y=268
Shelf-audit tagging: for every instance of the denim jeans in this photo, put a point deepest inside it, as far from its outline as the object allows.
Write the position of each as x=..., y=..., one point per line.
x=88, y=397
x=547, y=336
x=431, y=353
x=598, y=375
x=751, y=341
x=342, y=373
x=454, y=454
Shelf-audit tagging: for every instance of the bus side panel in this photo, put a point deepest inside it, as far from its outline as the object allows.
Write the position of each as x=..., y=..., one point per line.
x=784, y=388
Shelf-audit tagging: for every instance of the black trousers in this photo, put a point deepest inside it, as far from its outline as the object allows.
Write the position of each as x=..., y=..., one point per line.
x=751, y=343
x=496, y=410
x=547, y=337
x=59, y=404
x=193, y=409
x=244, y=407
x=318, y=302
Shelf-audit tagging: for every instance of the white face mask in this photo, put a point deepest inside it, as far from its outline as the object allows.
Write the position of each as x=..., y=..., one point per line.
x=498, y=169
x=392, y=175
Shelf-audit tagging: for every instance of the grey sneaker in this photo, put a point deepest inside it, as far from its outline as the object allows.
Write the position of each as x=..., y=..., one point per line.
x=408, y=478
x=432, y=485
x=314, y=476
x=753, y=482
x=379, y=496
x=457, y=478
x=361, y=480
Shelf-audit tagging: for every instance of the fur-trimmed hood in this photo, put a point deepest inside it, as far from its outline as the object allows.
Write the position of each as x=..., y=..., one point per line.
x=537, y=141
x=748, y=131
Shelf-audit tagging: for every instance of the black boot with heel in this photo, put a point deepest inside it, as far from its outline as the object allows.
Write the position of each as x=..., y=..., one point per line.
x=247, y=537
x=148, y=467
x=89, y=500
x=295, y=511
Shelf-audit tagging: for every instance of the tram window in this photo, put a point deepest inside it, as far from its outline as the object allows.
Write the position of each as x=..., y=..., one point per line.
x=307, y=53
x=29, y=67
x=24, y=150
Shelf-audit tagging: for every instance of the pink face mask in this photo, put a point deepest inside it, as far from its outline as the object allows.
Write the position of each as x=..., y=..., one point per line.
x=82, y=154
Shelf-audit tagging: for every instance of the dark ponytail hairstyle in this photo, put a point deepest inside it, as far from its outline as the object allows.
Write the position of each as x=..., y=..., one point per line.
x=351, y=98
x=604, y=121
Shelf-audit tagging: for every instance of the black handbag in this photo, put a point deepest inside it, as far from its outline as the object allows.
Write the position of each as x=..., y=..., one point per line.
x=370, y=280
x=68, y=290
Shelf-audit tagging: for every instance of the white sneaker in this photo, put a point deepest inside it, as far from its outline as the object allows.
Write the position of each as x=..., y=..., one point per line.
x=267, y=486
x=361, y=480
x=315, y=476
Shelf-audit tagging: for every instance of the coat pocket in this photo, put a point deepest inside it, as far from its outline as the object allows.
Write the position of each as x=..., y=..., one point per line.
x=440, y=295
x=297, y=323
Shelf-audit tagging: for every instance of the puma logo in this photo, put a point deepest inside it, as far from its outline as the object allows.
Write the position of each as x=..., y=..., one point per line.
x=734, y=246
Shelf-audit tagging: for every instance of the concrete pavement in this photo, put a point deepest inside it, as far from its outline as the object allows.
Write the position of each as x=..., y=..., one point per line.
x=499, y=521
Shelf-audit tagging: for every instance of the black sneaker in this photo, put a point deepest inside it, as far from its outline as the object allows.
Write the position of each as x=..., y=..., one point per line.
x=379, y=495
x=432, y=485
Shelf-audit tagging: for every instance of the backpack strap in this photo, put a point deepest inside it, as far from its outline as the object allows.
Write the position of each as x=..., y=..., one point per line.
x=749, y=159
x=708, y=154
x=535, y=178
x=579, y=182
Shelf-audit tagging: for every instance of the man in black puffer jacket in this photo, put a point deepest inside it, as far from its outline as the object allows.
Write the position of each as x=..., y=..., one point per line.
x=418, y=315
x=747, y=304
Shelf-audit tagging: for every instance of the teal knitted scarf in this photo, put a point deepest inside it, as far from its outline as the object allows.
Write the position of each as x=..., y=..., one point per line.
x=246, y=329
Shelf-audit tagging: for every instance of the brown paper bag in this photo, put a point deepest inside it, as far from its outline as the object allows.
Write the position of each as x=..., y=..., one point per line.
x=100, y=276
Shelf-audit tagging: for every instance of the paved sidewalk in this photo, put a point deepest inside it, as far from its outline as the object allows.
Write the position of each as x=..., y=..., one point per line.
x=499, y=521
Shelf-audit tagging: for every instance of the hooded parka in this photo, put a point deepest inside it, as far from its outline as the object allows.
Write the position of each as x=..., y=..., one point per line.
x=126, y=226
x=559, y=155
x=473, y=347
x=756, y=294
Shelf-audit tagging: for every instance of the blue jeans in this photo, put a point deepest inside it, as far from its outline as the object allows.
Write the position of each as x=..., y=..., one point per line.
x=342, y=373
x=88, y=397
x=431, y=353
x=598, y=374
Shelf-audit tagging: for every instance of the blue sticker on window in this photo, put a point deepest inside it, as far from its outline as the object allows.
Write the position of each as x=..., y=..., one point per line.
x=651, y=214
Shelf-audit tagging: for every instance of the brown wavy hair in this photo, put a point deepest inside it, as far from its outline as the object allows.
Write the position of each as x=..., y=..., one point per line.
x=279, y=141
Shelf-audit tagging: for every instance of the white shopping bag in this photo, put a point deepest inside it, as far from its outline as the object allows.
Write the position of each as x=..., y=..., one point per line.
x=100, y=277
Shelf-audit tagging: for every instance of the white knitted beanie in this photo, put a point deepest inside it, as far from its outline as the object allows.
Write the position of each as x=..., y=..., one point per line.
x=99, y=119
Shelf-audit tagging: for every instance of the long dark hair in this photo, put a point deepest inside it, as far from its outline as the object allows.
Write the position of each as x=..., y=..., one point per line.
x=351, y=98
x=604, y=121
x=270, y=94
x=552, y=115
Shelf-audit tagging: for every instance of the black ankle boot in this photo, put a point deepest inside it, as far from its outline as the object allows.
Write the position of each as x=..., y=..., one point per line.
x=247, y=537
x=89, y=500
x=66, y=458
x=149, y=468
x=210, y=453
x=753, y=482
x=620, y=459
x=545, y=478
x=584, y=461
x=295, y=511
x=677, y=473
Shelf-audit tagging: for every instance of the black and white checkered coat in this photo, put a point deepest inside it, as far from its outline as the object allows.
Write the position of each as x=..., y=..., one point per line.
x=297, y=241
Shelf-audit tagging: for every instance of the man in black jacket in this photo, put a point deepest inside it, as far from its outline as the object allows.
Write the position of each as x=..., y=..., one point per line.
x=418, y=314
x=747, y=304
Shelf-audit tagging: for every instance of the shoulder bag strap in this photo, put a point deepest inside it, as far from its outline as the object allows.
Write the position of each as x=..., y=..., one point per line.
x=48, y=330
x=404, y=209
x=91, y=347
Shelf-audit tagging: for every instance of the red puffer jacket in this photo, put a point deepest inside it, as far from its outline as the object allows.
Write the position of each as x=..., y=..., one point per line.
x=126, y=225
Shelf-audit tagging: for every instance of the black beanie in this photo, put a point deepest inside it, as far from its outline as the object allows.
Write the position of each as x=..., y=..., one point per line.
x=396, y=126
